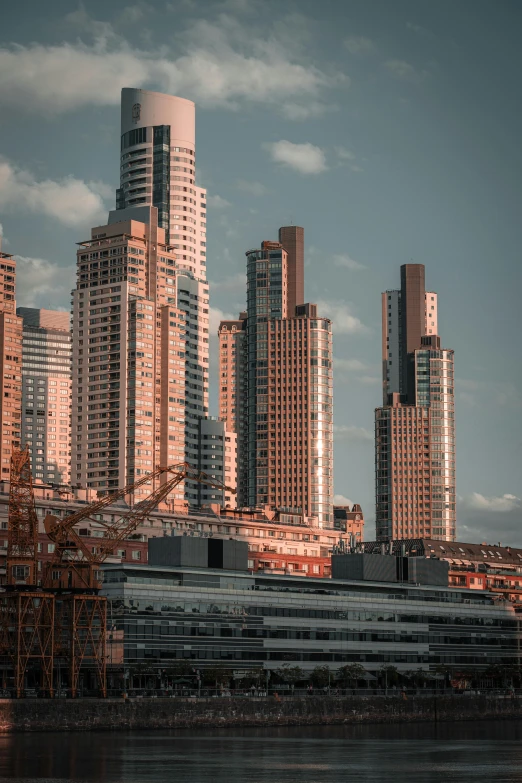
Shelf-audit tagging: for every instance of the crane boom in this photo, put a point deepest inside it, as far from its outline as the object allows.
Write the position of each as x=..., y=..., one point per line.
x=75, y=565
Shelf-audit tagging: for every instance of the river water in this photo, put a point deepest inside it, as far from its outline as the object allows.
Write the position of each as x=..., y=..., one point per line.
x=481, y=752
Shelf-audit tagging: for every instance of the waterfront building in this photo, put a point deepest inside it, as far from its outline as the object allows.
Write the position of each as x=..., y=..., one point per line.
x=490, y=567
x=46, y=392
x=286, y=430
x=10, y=361
x=415, y=427
x=141, y=310
x=209, y=616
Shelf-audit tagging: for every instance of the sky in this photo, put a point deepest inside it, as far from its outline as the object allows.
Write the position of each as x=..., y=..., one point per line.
x=389, y=129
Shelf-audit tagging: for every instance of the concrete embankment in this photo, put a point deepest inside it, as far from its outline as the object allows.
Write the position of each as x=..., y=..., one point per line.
x=115, y=714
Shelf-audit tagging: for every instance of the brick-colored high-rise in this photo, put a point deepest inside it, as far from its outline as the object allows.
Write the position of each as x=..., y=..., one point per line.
x=46, y=369
x=129, y=382
x=231, y=335
x=10, y=362
x=415, y=428
x=283, y=357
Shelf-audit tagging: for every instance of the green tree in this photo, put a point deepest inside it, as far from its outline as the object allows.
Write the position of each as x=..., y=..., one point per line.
x=290, y=674
x=251, y=677
x=321, y=676
x=217, y=675
x=389, y=675
x=350, y=674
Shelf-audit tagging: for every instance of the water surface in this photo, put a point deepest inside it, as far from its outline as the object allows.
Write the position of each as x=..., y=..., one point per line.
x=481, y=752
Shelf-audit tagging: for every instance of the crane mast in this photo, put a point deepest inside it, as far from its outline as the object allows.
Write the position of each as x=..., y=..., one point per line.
x=22, y=528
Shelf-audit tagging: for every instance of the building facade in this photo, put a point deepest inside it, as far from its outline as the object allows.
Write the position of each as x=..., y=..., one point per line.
x=129, y=351
x=350, y=520
x=10, y=362
x=246, y=621
x=285, y=442
x=46, y=392
x=415, y=427
x=140, y=309
x=218, y=459
x=231, y=336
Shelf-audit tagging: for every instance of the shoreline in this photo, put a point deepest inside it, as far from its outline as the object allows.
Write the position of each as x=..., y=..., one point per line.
x=45, y=715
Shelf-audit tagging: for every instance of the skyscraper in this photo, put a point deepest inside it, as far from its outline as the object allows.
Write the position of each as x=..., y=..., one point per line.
x=140, y=309
x=415, y=428
x=231, y=335
x=10, y=361
x=46, y=392
x=285, y=448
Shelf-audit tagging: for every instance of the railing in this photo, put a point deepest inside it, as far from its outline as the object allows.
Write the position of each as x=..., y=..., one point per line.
x=276, y=692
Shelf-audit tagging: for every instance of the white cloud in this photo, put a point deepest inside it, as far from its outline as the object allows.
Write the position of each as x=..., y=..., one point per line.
x=217, y=202
x=500, y=504
x=369, y=380
x=345, y=432
x=215, y=316
x=302, y=111
x=216, y=63
x=342, y=500
x=344, y=322
x=403, y=70
x=252, y=187
x=305, y=158
x=358, y=44
x=41, y=283
x=349, y=365
x=345, y=154
x=71, y=201
x=347, y=262
x=234, y=284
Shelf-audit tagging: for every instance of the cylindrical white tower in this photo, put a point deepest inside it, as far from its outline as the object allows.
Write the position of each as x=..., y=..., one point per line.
x=158, y=168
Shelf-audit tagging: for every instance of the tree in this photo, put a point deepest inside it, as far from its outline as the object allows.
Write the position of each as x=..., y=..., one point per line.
x=350, y=674
x=290, y=674
x=321, y=676
x=389, y=675
x=251, y=677
x=416, y=677
x=217, y=675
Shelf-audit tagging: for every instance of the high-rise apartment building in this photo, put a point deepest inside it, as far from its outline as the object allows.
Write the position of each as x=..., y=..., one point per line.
x=218, y=459
x=10, y=361
x=140, y=309
x=231, y=335
x=415, y=428
x=285, y=430
x=46, y=392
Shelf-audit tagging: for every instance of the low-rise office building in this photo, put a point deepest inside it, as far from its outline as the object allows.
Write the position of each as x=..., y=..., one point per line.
x=163, y=614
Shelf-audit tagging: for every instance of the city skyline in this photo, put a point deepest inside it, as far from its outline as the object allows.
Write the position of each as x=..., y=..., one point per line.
x=446, y=229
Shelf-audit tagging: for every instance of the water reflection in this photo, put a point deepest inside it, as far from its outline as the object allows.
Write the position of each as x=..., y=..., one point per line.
x=481, y=751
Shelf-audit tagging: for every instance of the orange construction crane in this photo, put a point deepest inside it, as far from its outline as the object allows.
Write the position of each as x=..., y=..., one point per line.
x=74, y=566
x=74, y=572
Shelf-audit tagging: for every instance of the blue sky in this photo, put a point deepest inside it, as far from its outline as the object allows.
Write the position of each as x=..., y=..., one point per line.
x=389, y=129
